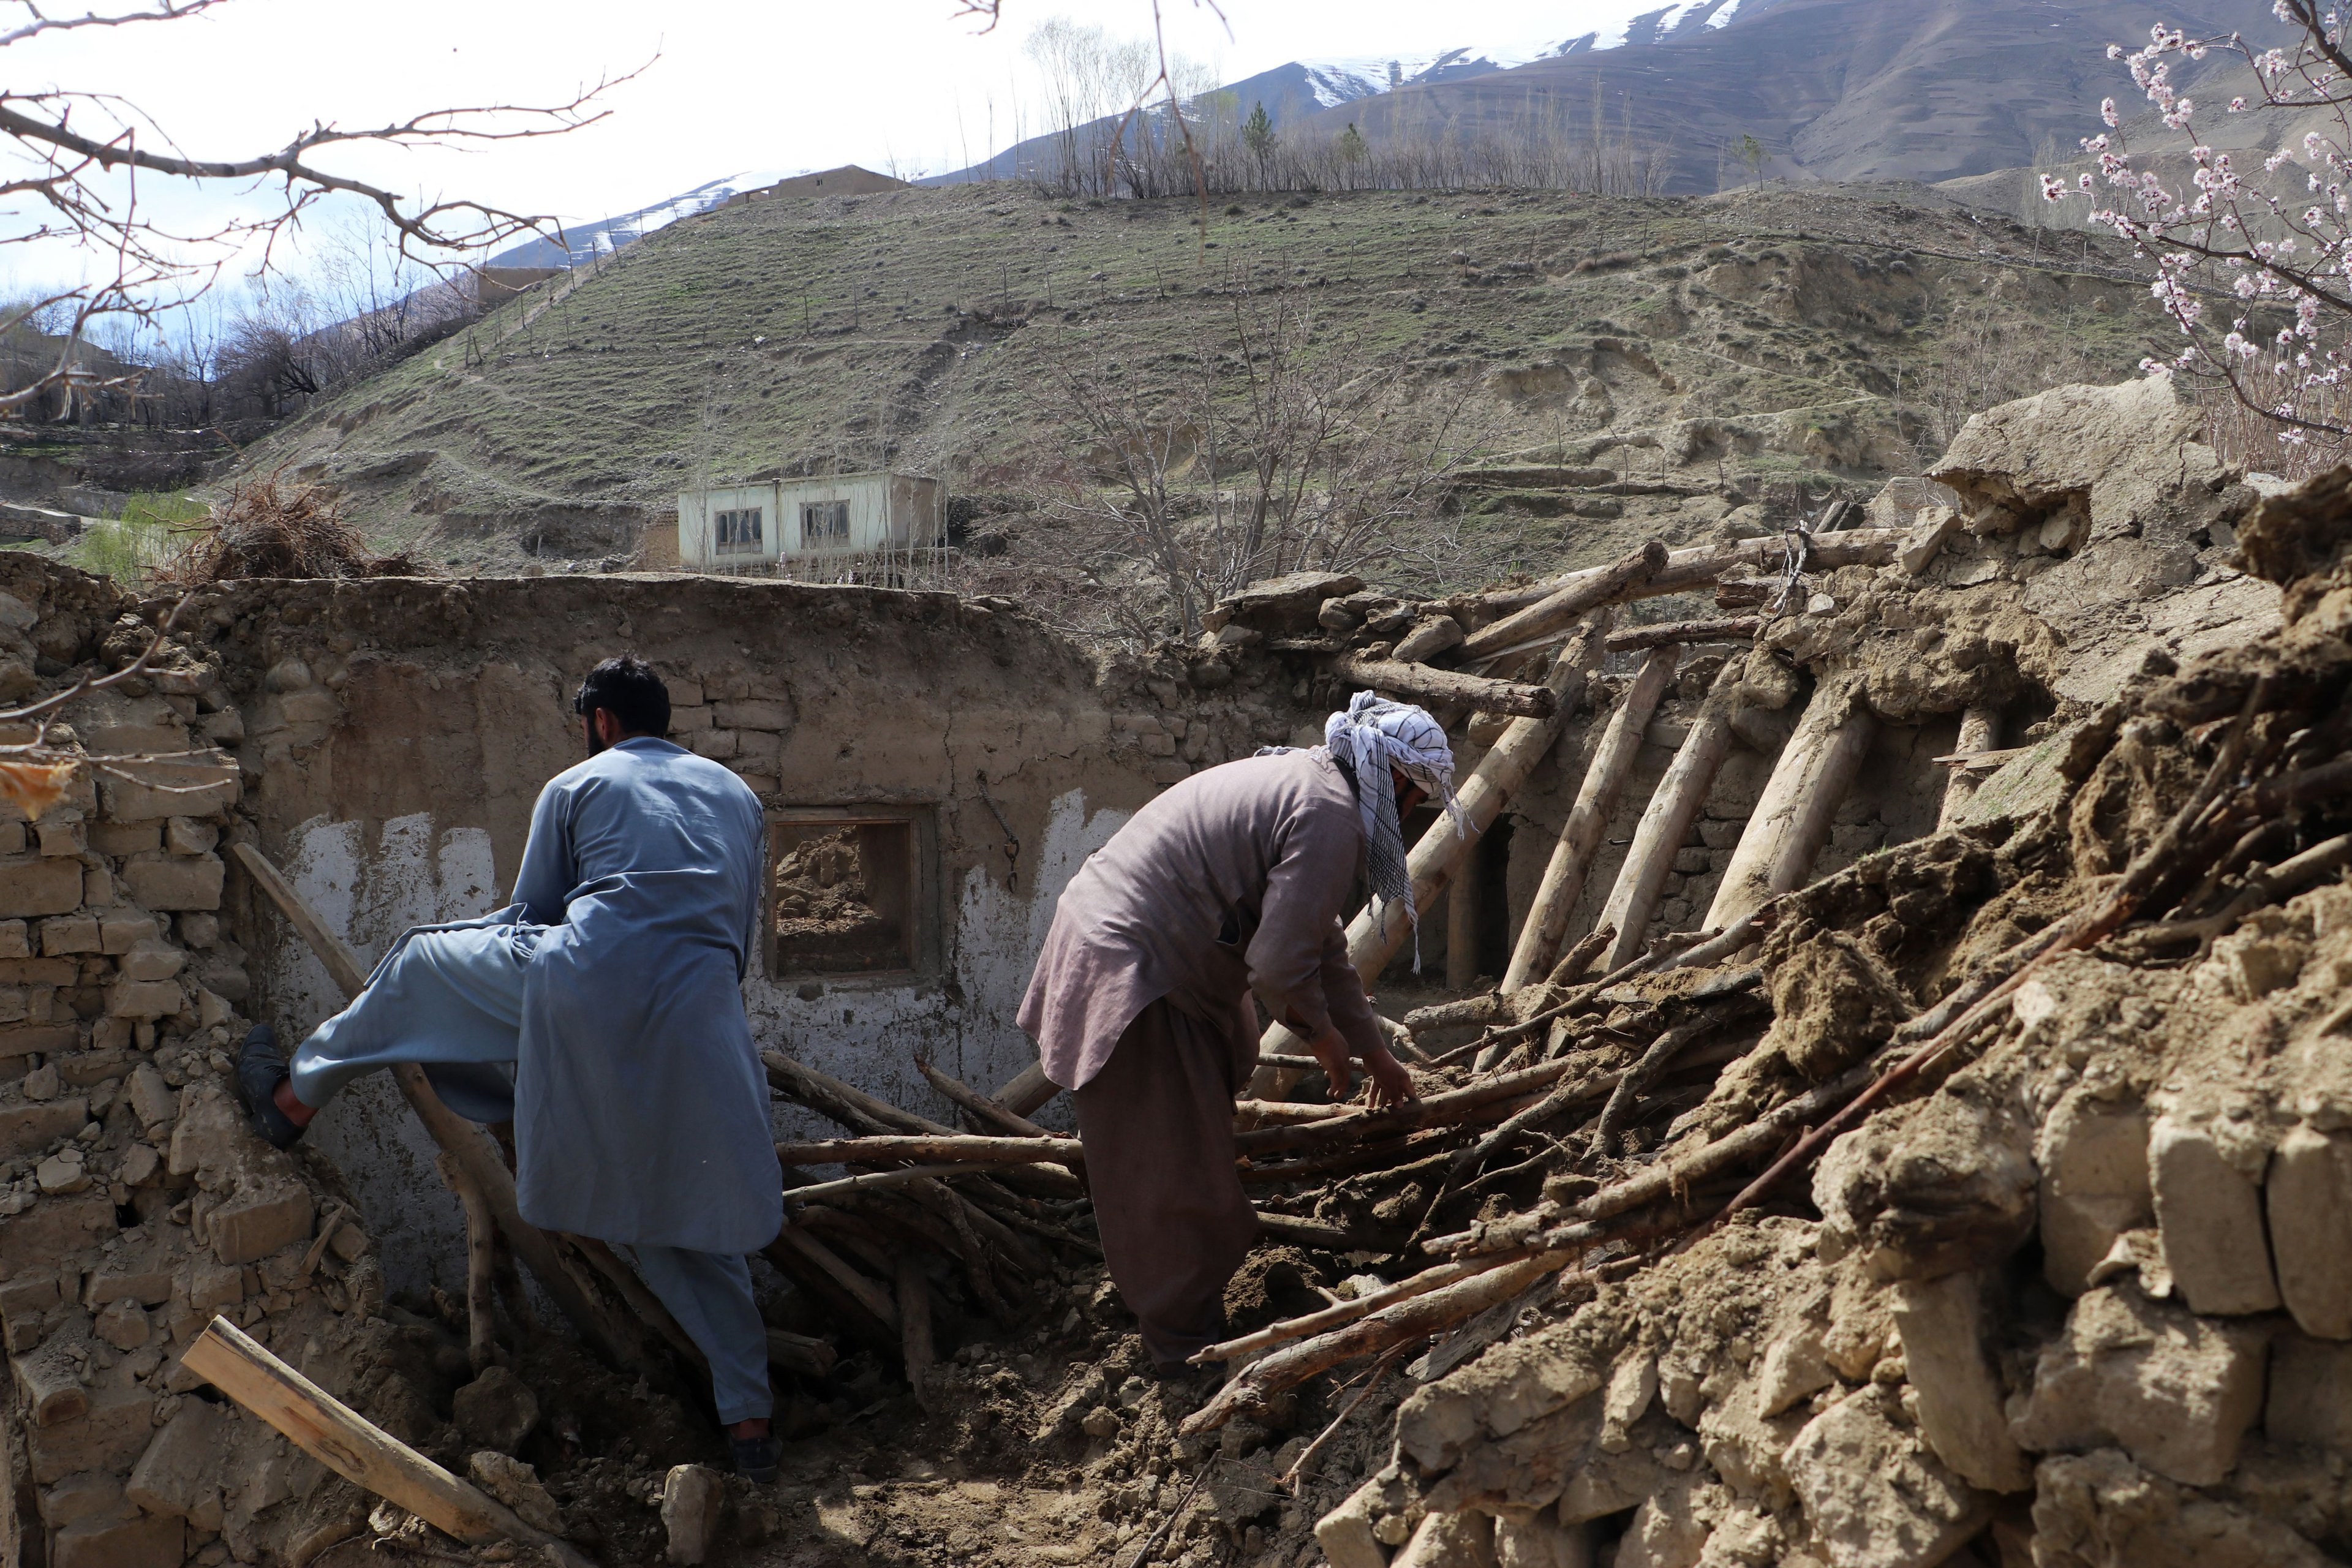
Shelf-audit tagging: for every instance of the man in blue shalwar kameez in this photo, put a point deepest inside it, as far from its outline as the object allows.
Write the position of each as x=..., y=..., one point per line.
x=603, y=1012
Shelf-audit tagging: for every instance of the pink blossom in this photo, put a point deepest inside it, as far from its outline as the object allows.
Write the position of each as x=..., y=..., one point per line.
x=2108, y=112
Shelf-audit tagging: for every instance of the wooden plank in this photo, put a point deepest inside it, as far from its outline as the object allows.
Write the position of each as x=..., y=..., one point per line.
x=362, y=1453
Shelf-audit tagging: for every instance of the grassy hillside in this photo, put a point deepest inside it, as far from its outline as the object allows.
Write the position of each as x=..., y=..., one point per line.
x=1711, y=352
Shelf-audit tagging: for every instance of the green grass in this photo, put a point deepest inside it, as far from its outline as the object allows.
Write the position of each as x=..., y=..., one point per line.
x=130, y=548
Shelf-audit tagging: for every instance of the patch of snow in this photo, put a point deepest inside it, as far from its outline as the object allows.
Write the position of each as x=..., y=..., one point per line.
x=1346, y=80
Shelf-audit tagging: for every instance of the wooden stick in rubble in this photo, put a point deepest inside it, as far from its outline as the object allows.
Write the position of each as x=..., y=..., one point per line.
x=471, y=1150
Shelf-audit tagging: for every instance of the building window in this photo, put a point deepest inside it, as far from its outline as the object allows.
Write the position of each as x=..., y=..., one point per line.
x=824, y=522
x=736, y=532
x=845, y=892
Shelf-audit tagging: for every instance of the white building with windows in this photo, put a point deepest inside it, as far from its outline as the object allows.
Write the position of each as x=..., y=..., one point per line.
x=785, y=521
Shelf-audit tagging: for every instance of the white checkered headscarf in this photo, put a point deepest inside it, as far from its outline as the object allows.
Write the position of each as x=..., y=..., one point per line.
x=1375, y=735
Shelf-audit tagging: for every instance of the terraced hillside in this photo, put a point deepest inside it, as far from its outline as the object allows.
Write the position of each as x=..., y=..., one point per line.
x=1711, y=354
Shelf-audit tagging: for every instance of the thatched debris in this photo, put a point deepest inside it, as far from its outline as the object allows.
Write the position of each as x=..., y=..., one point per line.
x=269, y=526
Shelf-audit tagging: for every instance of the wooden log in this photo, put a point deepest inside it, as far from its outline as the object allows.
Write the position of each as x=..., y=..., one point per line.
x=1637, y=640
x=1576, y=594
x=1431, y=635
x=1326, y=1237
x=847, y=1308
x=1667, y=822
x=334, y=1434
x=1413, y=1318
x=1980, y=732
x=1424, y=683
x=800, y=1353
x=621, y=1340
x=1462, y=927
x=1027, y=1091
x=1577, y=960
x=1340, y=1313
x=1703, y=563
x=1486, y=1007
x=1731, y=628
x=481, y=1266
x=817, y=1192
x=981, y=1105
x=861, y=1112
x=1437, y=1107
x=953, y=1148
x=1596, y=798
x=872, y=1299
x=1792, y=820
x=640, y=1298
x=852, y=1107
x=914, y=1325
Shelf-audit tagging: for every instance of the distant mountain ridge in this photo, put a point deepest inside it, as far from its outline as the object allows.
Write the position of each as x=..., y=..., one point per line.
x=1930, y=90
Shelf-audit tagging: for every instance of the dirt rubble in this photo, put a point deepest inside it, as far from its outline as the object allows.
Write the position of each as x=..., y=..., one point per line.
x=2078, y=1296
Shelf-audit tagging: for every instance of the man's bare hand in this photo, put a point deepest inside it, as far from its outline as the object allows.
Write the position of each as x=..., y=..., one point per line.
x=1392, y=1084
x=1330, y=1048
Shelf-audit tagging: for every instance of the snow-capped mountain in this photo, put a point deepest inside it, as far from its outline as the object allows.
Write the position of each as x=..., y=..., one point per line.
x=587, y=241
x=1630, y=22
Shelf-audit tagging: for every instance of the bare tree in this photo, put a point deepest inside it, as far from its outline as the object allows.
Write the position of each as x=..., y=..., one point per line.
x=1282, y=448
x=75, y=164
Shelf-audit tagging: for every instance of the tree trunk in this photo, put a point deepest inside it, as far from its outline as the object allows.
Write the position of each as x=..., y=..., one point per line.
x=1596, y=798
x=1792, y=821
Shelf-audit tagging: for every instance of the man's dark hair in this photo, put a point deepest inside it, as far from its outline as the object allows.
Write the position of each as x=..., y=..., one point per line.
x=630, y=690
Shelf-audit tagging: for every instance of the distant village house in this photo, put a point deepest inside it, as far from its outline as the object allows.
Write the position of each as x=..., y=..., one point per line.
x=727, y=527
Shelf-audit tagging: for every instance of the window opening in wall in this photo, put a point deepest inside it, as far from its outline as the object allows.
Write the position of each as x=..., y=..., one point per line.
x=824, y=522
x=844, y=893
x=736, y=532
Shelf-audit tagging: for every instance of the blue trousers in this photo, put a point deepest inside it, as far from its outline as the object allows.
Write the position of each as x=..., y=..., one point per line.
x=451, y=1001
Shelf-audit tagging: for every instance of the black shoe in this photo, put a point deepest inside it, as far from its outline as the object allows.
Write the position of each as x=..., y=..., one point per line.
x=260, y=1068
x=755, y=1458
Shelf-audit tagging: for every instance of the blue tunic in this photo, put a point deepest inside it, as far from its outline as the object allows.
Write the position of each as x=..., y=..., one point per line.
x=614, y=983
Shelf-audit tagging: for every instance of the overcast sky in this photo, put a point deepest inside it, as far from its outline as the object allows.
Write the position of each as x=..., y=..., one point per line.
x=781, y=85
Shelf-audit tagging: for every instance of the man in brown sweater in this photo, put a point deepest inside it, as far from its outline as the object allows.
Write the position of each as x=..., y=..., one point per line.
x=1233, y=882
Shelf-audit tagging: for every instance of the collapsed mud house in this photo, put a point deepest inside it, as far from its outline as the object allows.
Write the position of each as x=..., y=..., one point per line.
x=2022, y=1314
